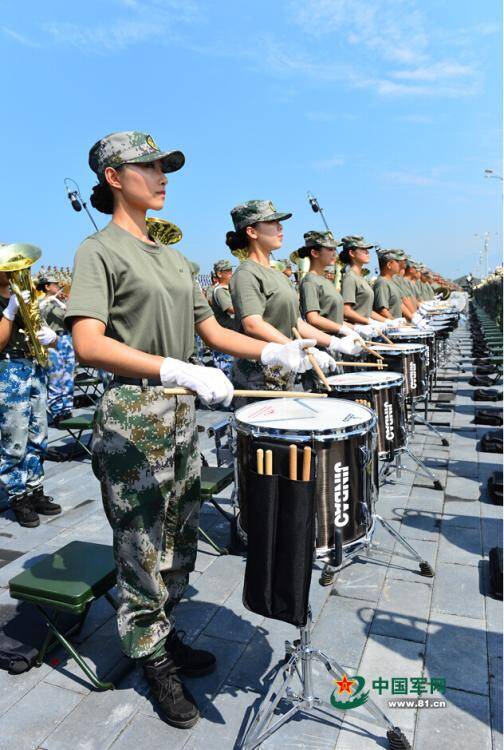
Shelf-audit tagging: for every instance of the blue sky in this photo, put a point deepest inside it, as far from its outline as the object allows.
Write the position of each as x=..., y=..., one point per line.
x=388, y=110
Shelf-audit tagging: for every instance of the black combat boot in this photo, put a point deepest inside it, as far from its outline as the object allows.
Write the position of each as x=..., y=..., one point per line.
x=192, y=662
x=23, y=510
x=176, y=704
x=44, y=503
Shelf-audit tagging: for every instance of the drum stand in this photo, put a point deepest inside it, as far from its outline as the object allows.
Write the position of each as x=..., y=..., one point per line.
x=300, y=656
x=395, y=462
x=418, y=419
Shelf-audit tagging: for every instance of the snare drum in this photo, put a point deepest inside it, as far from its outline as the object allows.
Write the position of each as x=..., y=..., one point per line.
x=410, y=361
x=342, y=436
x=418, y=336
x=383, y=392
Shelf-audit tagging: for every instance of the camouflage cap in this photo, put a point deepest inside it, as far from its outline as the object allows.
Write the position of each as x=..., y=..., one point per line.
x=330, y=269
x=384, y=254
x=251, y=212
x=357, y=241
x=49, y=279
x=285, y=262
x=223, y=265
x=195, y=269
x=320, y=239
x=131, y=147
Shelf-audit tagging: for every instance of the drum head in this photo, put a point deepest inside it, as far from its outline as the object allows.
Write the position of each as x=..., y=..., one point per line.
x=411, y=333
x=399, y=348
x=314, y=418
x=370, y=378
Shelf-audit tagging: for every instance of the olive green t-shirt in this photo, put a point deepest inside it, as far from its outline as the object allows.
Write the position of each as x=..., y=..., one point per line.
x=387, y=294
x=318, y=294
x=356, y=291
x=259, y=290
x=429, y=290
x=401, y=284
x=54, y=316
x=144, y=294
x=221, y=302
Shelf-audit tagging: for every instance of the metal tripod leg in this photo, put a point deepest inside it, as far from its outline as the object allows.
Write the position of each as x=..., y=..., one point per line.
x=426, y=471
x=300, y=664
x=424, y=421
x=425, y=568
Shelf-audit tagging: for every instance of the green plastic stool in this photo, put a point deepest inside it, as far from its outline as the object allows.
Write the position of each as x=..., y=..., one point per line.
x=75, y=426
x=68, y=580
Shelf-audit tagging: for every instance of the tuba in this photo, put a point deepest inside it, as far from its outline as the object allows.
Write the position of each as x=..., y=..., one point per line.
x=16, y=260
x=163, y=231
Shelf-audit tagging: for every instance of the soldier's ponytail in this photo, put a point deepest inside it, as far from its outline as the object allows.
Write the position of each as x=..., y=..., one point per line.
x=237, y=240
x=102, y=198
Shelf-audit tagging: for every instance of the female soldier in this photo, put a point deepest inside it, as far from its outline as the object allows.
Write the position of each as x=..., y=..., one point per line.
x=320, y=302
x=133, y=310
x=356, y=292
x=266, y=306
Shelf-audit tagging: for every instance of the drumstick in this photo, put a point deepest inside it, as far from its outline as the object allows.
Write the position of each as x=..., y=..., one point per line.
x=314, y=363
x=386, y=338
x=371, y=351
x=293, y=462
x=179, y=391
x=377, y=365
x=260, y=461
x=306, y=463
x=269, y=463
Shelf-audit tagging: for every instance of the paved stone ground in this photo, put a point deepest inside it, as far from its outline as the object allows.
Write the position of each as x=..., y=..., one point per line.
x=380, y=619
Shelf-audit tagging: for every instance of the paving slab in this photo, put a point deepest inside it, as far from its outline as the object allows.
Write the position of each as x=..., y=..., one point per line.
x=457, y=591
x=465, y=720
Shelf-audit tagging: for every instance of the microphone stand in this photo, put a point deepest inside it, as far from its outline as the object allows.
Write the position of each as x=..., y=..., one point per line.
x=317, y=209
x=75, y=195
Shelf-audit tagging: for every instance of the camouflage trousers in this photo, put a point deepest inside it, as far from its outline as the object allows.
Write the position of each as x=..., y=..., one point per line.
x=145, y=454
x=223, y=362
x=60, y=375
x=23, y=425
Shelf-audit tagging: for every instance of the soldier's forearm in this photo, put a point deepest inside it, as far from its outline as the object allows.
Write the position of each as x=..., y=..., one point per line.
x=6, y=327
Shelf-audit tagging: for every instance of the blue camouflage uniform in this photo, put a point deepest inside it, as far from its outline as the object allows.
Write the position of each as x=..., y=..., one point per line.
x=61, y=367
x=23, y=418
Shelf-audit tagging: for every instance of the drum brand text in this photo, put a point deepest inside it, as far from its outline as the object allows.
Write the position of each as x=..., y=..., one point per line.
x=389, y=420
x=412, y=376
x=341, y=504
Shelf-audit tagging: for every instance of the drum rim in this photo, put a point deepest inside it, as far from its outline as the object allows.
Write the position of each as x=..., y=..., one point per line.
x=311, y=436
x=398, y=382
x=384, y=348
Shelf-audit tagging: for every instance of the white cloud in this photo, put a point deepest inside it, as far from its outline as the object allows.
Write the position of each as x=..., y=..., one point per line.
x=435, y=72
x=146, y=20
x=416, y=119
x=17, y=37
x=326, y=165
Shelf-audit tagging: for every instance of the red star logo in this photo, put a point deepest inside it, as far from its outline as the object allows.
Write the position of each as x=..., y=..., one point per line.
x=345, y=685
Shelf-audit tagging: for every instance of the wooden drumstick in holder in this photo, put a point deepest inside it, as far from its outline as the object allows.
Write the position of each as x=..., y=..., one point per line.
x=260, y=461
x=314, y=363
x=268, y=463
x=306, y=463
x=293, y=462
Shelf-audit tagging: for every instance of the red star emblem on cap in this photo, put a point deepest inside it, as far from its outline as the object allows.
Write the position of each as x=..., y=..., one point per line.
x=345, y=685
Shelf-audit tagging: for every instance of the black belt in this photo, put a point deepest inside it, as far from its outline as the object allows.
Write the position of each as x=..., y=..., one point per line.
x=119, y=380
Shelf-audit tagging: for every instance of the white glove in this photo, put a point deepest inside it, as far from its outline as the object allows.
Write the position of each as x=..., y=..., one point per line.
x=345, y=330
x=291, y=357
x=417, y=319
x=377, y=325
x=365, y=331
x=324, y=360
x=395, y=323
x=46, y=336
x=210, y=384
x=346, y=345
x=13, y=306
